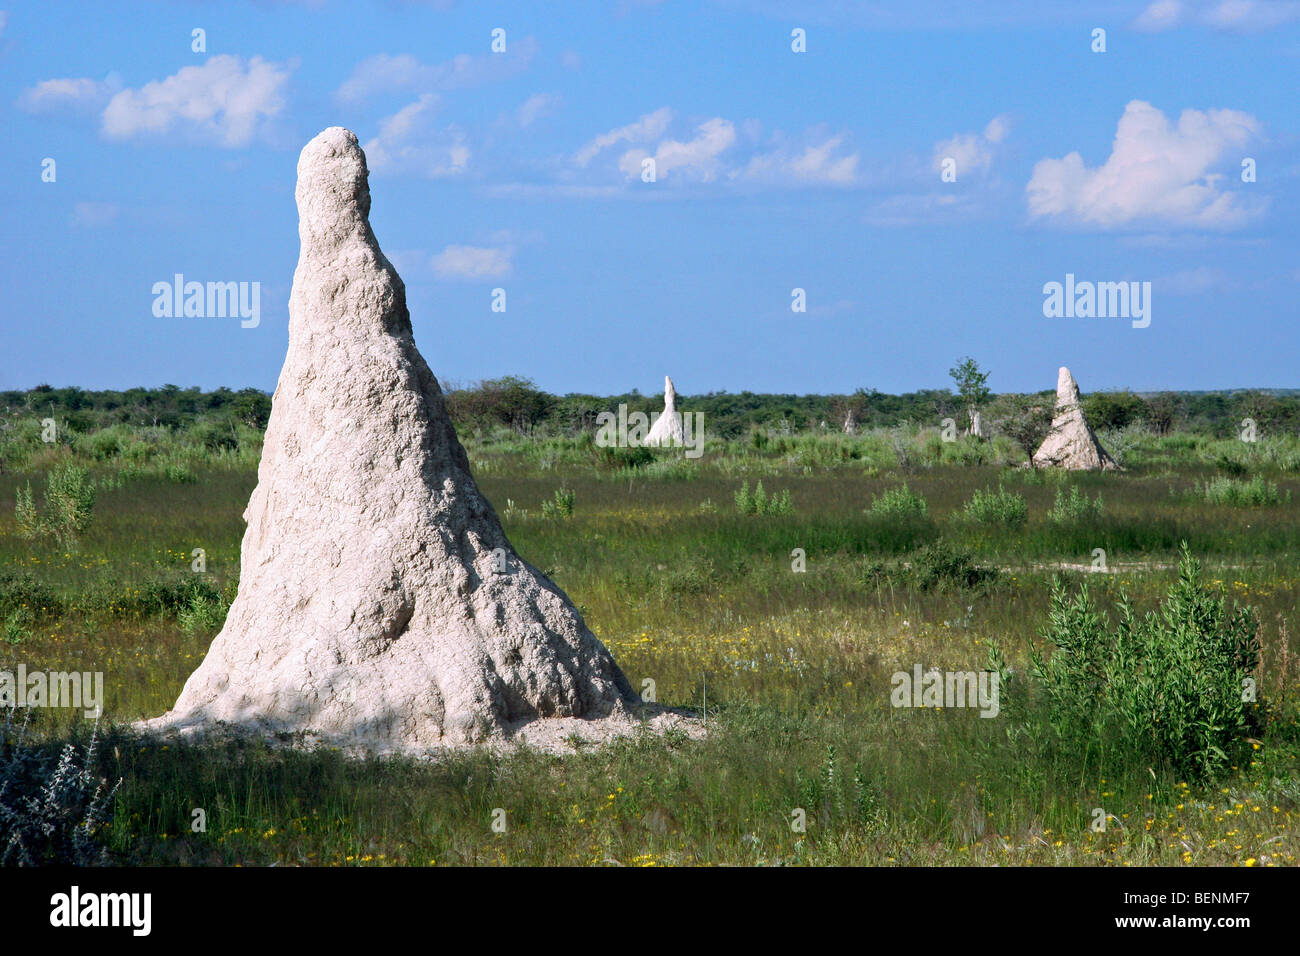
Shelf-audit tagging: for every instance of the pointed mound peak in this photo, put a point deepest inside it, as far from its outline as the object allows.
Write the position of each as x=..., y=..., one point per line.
x=1071, y=443
x=380, y=604
x=667, y=429
x=1067, y=389
x=333, y=191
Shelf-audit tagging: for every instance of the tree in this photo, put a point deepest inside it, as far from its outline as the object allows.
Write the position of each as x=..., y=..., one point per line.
x=971, y=386
x=1028, y=422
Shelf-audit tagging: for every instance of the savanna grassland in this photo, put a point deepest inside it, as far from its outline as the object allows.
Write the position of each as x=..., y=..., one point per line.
x=913, y=551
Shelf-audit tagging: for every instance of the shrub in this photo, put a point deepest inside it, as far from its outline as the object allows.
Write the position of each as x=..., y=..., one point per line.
x=20, y=591
x=50, y=811
x=758, y=503
x=560, y=506
x=999, y=507
x=618, y=458
x=1076, y=508
x=1242, y=492
x=29, y=523
x=1164, y=687
x=202, y=613
x=179, y=473
x=938, y=566
x=941, y=566
x=900, y=502
x=69, y=499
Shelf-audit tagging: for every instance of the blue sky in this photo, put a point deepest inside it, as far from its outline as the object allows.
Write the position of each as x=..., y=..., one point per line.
x=775, y=170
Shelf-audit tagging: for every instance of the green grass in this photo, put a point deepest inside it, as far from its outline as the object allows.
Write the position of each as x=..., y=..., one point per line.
x=797, y=664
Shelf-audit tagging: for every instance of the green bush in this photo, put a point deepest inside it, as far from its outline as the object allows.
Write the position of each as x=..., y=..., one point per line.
x=1242, y=492
x=561, y=505
x=900, y=502
x=69, y=499
x=999, y=507
x=937, y=566
x=1166, y=687
x=1076, y=508
x=202, y=613
x=759, y=503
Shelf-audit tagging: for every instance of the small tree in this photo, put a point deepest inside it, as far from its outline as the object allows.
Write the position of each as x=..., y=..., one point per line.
x=972, y=386
x=1028, y=423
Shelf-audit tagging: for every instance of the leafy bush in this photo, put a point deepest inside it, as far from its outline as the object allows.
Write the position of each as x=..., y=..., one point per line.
x=23, y=591
x=999, y=507
x=1242, y=492
x=900, y=502
x=202, y=613
x=50, y=811
x=561, y=505
x=759, y=503
x=29, y=522
x=1230, y=465
x=171, y=595
x=618, y=458
x=1076, y=508
x=69, y=500
x=938, y=566
x=1166, y=687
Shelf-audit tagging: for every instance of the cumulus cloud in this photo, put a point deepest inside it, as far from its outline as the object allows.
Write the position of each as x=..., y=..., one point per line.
x=821, y=163
x=1239, y=16
x=473, y=262
x=972, y=152
x=78, y=94
x=719, y=150
x=696, y=158
x=227, y=99
x=410, y=141
x=385, y=73
x=1157, y=172
x=648, y=127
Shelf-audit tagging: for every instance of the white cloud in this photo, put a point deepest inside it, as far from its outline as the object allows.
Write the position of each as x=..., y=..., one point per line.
x=93, y=214
x=473, y=262
x=1160, y=15
x=410, y=142
x=819, y=163
x=1238, y=16
x=1251, y=15
x=972, y=152
x=385, y=73
x=719, y=150
x=1156, y=172
x=226, y=99
x=72, y=93
x=697, y=158
x=4, y=21
x=535, y=107
x=648, y=127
